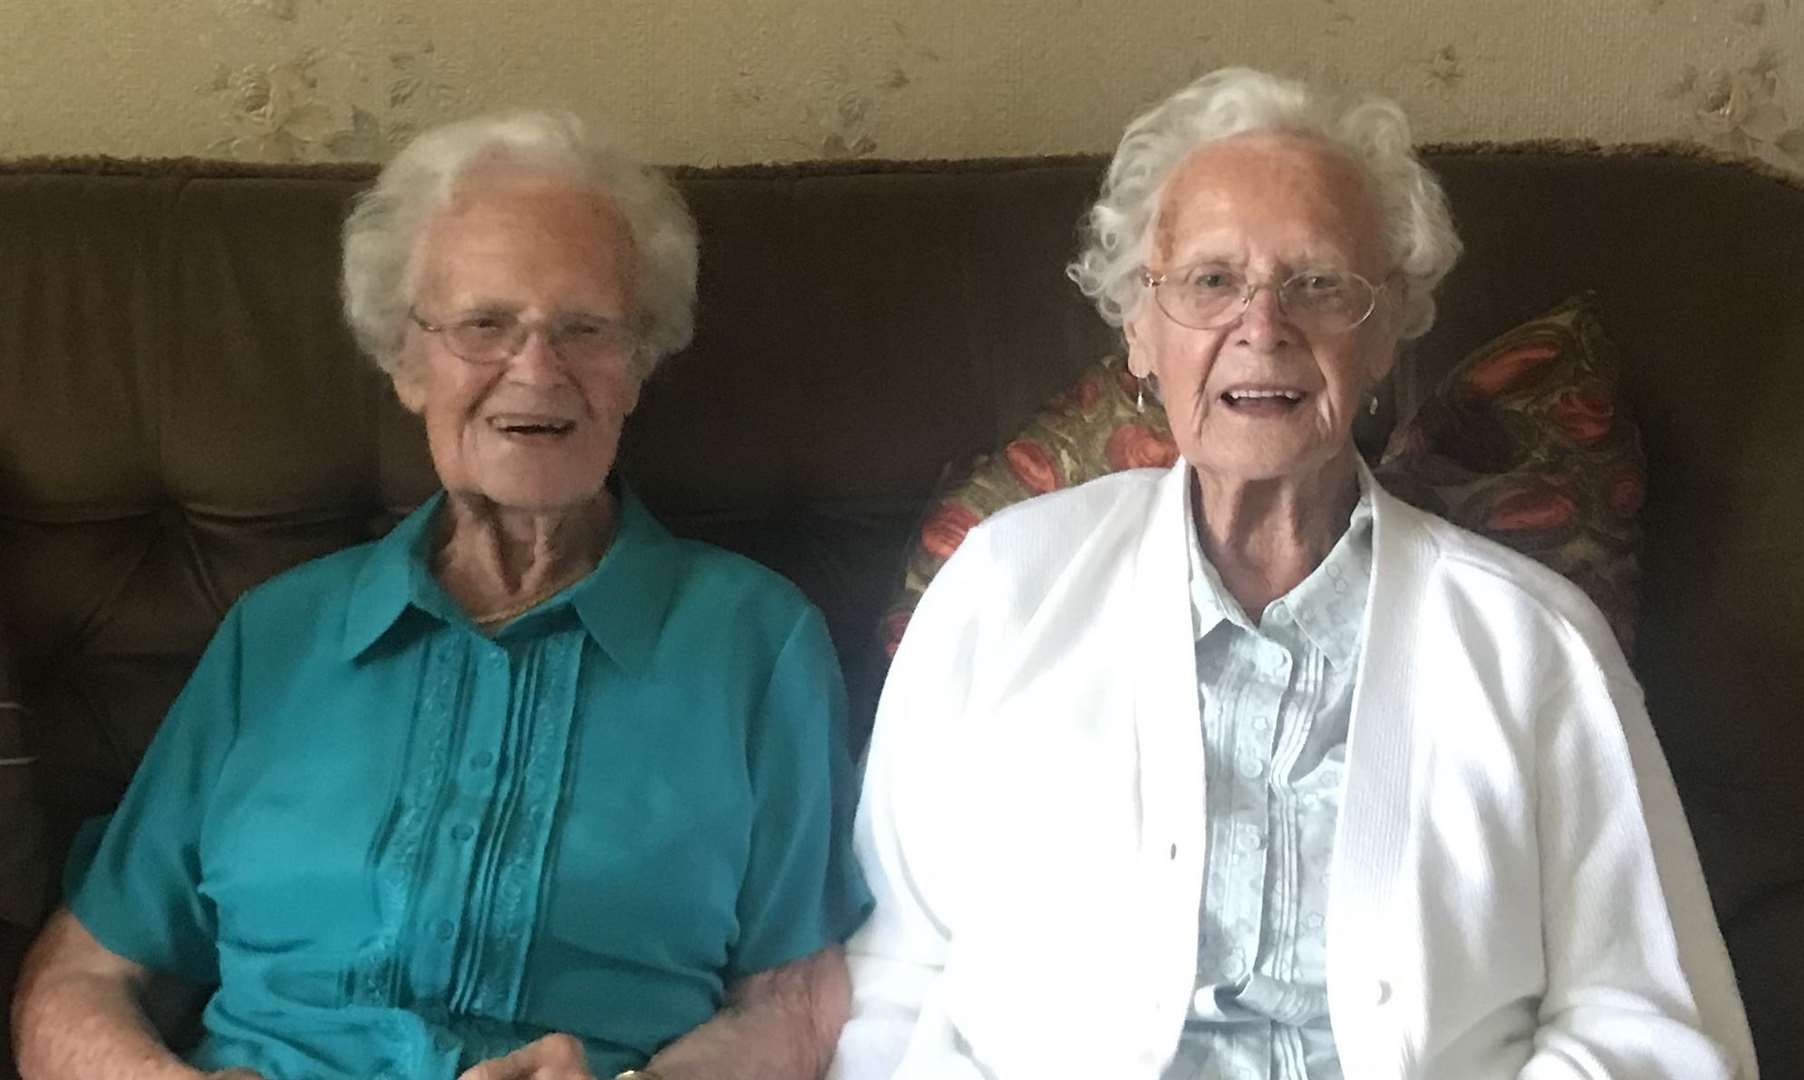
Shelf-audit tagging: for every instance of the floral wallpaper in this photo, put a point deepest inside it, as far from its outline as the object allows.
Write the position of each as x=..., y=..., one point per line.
x=320, y=98
x=713, y=81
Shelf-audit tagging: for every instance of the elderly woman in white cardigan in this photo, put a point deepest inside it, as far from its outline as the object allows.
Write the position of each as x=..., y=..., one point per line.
x=1247, y=769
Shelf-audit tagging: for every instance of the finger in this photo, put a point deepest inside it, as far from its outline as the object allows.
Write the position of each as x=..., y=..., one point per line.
x=494, y=1069
x=559, y=1052
x=551, y=1057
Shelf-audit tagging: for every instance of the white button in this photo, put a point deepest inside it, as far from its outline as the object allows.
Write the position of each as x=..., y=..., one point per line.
x=1201, y=1002
x=1381, y=992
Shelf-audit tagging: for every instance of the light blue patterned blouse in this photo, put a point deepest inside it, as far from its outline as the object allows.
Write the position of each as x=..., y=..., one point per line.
x=1275, y=701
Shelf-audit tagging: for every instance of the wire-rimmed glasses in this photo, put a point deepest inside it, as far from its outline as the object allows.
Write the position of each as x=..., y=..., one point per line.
x=489, y=338
x=1208, y=295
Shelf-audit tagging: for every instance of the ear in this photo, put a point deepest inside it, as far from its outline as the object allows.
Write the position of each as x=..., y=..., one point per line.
x=630, y=400
x=1389, y=345
x=1139, y=363
x=1383, y=359
x=1384, y=352
x=409, y=379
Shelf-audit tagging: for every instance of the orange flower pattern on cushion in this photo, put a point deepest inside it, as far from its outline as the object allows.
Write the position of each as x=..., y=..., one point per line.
x=1525, y=441
x=1528, y=442
x=1090, y=429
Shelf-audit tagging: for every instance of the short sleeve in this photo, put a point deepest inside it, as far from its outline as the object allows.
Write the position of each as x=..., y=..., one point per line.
x=138, y=890
x=802, y=890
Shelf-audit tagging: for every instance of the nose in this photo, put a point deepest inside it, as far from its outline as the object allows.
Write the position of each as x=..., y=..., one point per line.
x=1263, y=325
x=535, y=361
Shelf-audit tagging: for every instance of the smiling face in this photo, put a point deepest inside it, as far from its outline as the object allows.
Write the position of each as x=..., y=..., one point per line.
x=1263, y=398
x=534, y=432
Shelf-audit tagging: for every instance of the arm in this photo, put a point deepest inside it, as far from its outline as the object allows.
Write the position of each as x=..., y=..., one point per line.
x=777, y=1025
x=1638, y=979
x=84, y=1013
x=908, y=834
x=89, y=1005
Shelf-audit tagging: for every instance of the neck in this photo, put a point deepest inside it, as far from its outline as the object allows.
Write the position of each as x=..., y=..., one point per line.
x=493, y=558
x=1265, y=536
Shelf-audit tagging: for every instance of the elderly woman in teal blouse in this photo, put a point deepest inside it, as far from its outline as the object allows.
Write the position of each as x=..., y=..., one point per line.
x=528, y=788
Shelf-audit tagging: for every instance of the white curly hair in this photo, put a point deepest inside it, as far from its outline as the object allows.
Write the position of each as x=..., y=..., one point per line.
x=382, y=232
x=1117, y=233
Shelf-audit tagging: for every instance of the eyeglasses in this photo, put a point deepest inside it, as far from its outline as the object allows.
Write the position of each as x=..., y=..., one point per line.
x=1208, y=295
x=496, y=337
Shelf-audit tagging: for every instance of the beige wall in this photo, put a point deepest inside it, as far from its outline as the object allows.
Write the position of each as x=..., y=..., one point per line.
x=708, y=81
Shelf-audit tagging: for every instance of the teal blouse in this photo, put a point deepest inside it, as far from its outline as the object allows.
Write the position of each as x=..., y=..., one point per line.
x=399, y=847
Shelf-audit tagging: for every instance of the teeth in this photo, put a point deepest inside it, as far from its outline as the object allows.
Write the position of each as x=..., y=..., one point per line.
x=1287, y=395
x=535, y=427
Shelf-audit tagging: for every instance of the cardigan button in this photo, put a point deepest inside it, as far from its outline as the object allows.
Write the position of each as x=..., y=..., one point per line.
x=1381, y=992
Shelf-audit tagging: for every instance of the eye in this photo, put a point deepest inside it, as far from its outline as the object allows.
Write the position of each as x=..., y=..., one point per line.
x=484, y=326
x=589, y=330
x=1211, y=279
x=1321, y=282
x=582, y=329
x=591, y=336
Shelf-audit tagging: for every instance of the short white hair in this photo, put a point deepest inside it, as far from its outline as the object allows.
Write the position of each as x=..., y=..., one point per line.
x=1117, y=234
x=382, y=233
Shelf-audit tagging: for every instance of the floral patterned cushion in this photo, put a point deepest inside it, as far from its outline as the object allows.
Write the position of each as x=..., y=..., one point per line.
x=1525, y=441
x=1090, y=429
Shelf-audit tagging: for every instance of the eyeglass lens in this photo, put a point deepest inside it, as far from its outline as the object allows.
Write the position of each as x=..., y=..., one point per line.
x=492, y=339
x=1205, y=297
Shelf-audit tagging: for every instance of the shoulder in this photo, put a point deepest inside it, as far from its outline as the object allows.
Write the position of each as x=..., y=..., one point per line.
x=335, y=572
x=1075, y=512
x=1512, y=594
x=1042, y=539
x=726, y=586
x=1055, y=563
x=692, y=581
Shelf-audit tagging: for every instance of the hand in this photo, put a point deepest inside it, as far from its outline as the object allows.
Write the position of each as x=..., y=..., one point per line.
x=554, y=1057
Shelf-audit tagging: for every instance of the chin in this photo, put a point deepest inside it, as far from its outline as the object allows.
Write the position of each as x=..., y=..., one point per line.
x=1263, y=467
x=540, y=498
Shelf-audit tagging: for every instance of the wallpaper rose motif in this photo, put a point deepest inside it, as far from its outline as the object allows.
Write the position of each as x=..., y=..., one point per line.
x=1739, y=110
x=319, y=101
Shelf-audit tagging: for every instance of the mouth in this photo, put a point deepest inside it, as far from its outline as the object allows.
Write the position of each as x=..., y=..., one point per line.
x=1263, y=401
x=528, y=426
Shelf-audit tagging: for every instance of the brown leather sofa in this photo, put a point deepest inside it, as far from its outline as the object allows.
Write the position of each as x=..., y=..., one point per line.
x=182, y=415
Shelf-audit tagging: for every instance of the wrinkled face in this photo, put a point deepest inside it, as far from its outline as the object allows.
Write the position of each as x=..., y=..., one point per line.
x=1263, y=398
x=534, y=432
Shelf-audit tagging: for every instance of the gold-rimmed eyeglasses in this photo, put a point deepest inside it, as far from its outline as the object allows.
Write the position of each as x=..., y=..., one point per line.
x=1207, y=295
x=488, y=338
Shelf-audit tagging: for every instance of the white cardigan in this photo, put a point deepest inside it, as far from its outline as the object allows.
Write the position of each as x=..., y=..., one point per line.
x=1514, y=891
